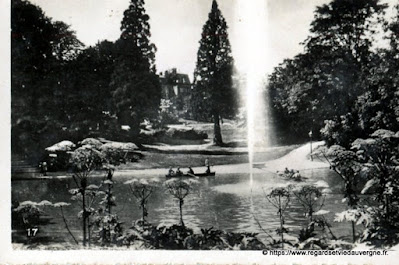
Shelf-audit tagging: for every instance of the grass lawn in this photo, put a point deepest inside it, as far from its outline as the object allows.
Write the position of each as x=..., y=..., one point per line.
x=165, y=160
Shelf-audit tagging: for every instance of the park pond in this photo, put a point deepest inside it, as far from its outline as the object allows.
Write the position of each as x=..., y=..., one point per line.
x=225, y=202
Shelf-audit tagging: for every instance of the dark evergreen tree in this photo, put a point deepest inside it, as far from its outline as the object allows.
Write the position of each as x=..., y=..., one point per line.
x=136, y=86
x=214, y=96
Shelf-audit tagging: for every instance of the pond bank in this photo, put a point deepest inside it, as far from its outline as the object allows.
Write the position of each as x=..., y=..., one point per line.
x=298, y=159
x=157, y=164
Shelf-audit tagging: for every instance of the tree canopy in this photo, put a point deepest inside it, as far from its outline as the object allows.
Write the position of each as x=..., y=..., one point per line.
x=325, y=81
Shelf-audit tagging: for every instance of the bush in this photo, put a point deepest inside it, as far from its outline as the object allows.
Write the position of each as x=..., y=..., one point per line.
x=181, y=237
x=26, y=215
x=341, y=131
x=186, y=134
x=370, y=167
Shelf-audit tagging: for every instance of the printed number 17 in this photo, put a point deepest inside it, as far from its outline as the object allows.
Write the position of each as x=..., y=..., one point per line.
x=32, y=231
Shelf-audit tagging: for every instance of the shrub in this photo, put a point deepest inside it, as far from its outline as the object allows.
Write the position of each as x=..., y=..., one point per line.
x=26, y=214
x=186, y=134
x=370, y=165
x=181, y=237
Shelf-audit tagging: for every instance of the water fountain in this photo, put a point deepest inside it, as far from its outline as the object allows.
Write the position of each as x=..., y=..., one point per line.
x=251, y=53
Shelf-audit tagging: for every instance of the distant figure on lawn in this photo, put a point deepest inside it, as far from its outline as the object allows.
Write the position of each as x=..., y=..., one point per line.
x=171, y=172
x=110, y=174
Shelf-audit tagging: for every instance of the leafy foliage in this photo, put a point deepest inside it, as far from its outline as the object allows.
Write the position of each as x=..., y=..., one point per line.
x=311, y=199
x=41, y=49
x=324, y=82
x=370, y=167
x=181, y=237
x=26, y=214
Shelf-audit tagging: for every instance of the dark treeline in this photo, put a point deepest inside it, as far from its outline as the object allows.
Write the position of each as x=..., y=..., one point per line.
x=63, y=90
x=340, y=87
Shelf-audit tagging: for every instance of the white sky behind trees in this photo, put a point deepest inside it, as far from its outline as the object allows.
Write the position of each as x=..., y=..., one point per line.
x=176, y=25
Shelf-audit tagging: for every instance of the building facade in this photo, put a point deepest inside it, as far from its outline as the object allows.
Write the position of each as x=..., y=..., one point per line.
x=177, y=88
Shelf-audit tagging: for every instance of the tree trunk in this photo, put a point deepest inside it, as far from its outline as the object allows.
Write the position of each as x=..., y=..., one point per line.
x=134, y=123
x=181, y=212
x=109, y=197
x=281, y=231
x=281, y=222
x=143, y=211
x=388, y=213
x=88, y=231
x=353, y=232
x=217, y=138
x=84, y=216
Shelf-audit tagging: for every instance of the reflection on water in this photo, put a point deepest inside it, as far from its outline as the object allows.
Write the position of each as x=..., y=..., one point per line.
x=224, y=202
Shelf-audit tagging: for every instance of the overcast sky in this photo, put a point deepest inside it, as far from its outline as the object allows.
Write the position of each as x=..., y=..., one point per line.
x=176, y=25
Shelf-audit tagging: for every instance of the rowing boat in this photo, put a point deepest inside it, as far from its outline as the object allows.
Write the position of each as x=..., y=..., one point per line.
x=189, y=175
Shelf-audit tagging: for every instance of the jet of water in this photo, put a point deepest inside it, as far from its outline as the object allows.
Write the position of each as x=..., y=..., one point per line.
x=251, y=55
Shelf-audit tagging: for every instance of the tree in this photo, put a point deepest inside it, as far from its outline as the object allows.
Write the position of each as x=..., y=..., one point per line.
x=292, y=96
x=340, y=42
x=136, y=86
x=92, y=75
x=345, y=25
x=214, y=96
x=324, y=82
x=41, y=49
x=378, y=106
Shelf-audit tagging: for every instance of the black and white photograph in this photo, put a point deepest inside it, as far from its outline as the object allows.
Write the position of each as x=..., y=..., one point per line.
x=268, y=127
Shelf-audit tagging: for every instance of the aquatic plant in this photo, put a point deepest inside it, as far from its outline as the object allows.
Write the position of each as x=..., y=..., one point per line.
x=142, y=190
x=180, y=188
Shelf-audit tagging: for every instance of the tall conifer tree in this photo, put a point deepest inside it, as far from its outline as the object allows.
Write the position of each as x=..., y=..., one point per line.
x=137, y=90
x=214, y=96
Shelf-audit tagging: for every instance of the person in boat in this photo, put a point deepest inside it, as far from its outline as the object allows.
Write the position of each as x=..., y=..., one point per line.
x=190, y=171
x=208, y=168
x=43, y=168
x=171, y=172
x=296, y=176
x=178, y=172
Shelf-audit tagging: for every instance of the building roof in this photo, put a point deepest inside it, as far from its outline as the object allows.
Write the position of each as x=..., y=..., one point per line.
x=178, y=78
